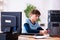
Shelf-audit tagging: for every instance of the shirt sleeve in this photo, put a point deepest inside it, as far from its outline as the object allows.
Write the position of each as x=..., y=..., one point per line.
x=29, y=30
x=39, y=28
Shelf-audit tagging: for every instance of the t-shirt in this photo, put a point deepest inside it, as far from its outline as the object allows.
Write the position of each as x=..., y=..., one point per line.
x=28, y=27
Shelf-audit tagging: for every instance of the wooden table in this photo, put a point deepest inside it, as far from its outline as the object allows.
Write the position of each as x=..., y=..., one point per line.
x=29, y=37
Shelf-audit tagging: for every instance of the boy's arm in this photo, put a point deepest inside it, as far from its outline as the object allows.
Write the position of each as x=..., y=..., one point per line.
x=39, y=28
x=29, y=30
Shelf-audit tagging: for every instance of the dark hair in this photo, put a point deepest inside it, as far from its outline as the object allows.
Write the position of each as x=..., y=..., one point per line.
x=35, y=12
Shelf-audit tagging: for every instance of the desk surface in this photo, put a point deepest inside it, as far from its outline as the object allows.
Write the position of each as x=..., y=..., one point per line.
x=29, y=37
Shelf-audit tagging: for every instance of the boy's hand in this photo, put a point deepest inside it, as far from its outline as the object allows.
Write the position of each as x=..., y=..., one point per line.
x=43, y=32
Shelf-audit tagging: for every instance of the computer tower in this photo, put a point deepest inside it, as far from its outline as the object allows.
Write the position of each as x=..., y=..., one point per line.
x=54, y=22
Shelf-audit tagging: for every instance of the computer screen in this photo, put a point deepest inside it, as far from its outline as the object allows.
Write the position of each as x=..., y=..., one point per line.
x=54, y=15
x=55, y=18
x=11, y=19
x=54, y=22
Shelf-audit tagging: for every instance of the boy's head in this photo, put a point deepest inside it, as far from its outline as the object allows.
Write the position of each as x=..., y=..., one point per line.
x=34, y=15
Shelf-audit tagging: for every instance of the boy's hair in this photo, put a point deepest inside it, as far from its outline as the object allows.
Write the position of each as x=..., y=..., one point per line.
x=35, y=12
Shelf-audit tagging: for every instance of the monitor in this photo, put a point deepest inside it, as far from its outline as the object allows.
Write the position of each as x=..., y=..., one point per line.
x=54, y=22
x=54, y=15
x=11, y=19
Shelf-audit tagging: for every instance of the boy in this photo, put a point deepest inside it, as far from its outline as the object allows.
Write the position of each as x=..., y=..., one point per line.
x=31, y=25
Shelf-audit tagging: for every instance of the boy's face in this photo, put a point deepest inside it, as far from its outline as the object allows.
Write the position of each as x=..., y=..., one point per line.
x=35, y=17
